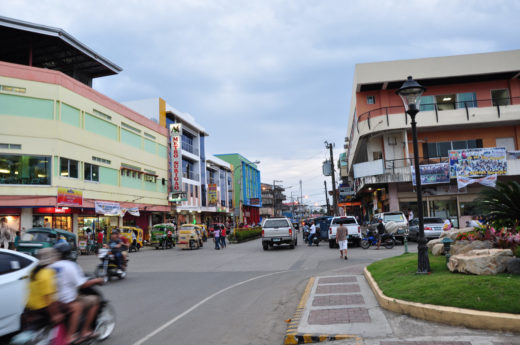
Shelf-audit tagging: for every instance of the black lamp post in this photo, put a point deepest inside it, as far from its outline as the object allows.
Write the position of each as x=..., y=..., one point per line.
x=410, y=93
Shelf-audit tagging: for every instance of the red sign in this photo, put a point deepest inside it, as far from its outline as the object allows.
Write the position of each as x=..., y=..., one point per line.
x=67, y=196
x=176, y=166
x=53, y=210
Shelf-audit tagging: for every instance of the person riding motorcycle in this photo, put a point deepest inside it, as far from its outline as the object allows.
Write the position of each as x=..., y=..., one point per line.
x=69, y=280
x=115, y=246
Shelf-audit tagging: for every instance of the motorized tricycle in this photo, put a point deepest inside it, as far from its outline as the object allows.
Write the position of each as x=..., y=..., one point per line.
x=129, y=232
x=35, y=239
x=163, y=236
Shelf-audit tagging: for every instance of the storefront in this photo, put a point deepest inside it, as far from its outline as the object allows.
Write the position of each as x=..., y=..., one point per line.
x=53, y=217
x=12, y=217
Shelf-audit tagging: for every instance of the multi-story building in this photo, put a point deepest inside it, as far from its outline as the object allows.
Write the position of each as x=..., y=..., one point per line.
x=270, y=207
x=219, y=182
x=247, y=196
x=71, y=157
x=471, y=101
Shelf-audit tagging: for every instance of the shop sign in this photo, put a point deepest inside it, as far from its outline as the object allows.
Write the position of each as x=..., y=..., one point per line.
x=212, y=194
x=68, y=196
x=432, y=173
x=478, y=162
x=254, y=201
x=107, y=208
x=53, y=210
x=176, y=159
x=179, y=197
x=345, y=191
x=134, y=211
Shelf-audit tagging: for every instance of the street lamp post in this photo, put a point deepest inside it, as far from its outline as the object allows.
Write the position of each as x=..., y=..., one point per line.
x=410, y=93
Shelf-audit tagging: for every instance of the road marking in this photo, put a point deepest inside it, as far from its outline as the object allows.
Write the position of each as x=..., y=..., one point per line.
x=180, y=316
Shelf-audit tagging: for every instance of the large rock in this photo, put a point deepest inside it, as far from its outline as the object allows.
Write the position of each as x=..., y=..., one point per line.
x=481, y=262
x=438, y=249
x=513, y=266
x=432, y=243
x=461, y=247
x=454, y=232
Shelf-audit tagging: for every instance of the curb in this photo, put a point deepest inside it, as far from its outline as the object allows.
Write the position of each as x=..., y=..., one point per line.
x=448, y=315
x=293, y=337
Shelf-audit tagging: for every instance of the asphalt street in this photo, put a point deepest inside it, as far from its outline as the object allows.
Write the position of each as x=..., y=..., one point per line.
x=238, y=295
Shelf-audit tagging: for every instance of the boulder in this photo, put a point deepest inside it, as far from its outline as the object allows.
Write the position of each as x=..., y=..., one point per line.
x=454, y=232
x=461, y=247
x=432, y=243
x=513, y=266
x=481, y=261
x=438, y=249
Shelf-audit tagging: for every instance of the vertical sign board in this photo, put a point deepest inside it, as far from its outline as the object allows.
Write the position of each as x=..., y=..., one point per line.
x=212, y=194
x=176, y=158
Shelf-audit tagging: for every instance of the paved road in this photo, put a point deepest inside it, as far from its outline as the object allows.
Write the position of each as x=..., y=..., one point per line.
x=239, y=295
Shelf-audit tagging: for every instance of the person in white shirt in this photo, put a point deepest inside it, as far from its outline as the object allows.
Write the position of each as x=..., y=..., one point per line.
x=312, y=233
x=69, y=279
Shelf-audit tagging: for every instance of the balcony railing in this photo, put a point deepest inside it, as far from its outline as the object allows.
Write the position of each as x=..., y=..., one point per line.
x=190, y=175
x=189, y=148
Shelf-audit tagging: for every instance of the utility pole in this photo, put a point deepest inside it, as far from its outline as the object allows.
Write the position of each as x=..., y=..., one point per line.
x=334, y=199
x=327, y=198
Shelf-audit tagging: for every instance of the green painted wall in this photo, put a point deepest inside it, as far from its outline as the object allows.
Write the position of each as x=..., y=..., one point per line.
x=70, y=115
x=149, y=145
x=101, y=127
x=130, y=182
x=26, y=106
x=162, y=151
x=150, y=186
x=108, y=176
x=130, y=138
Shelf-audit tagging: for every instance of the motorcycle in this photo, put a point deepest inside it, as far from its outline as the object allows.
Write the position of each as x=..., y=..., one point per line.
x=387, y=240
x=166, y=242
x=108, y=266
x=314, y=240
x=38, y=331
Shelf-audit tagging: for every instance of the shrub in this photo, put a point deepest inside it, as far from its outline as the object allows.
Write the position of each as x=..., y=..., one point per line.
x=501, y=205
x=244, y=234
x=503, y=238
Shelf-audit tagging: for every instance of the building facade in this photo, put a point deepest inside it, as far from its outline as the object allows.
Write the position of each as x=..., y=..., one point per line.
x=472, y=102
x=247, y=196
x=272, y=200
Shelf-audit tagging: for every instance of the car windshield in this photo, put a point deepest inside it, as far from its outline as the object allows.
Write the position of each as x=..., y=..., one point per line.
x=433, y=220
x=187, y=227
x=275, y=223
x=394, y=217
x=344, y=221
x=38, y=237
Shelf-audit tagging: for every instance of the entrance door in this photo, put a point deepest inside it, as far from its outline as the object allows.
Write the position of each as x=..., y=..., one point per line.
x=443, y=208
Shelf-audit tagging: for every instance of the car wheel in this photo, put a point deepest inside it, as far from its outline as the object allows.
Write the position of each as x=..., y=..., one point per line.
x=331, y=244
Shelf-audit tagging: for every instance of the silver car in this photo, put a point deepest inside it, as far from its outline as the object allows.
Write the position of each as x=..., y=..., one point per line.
x=432, y=228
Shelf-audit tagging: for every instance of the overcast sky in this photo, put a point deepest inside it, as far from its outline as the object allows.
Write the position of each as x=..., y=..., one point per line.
x=269, y=79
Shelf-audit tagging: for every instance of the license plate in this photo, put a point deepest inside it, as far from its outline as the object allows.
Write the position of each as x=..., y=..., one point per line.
x=276, y=240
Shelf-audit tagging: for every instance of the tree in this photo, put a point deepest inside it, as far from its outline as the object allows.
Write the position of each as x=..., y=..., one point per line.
x=501, y=205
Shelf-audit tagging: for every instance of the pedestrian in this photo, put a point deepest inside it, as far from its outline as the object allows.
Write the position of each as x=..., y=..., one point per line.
x=16, y=240
x=5, y=234
x=223, y=236
x=410, y=214
x=216, y=237
x=99, y=240
x=46, y=223
x=312, y=233
x=341, y=240
x=380, y=232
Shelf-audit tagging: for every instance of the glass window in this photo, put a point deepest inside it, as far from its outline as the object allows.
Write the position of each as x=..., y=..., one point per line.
x=443, y=149
x=427, y=103
x=68, y=168
x=467, y=99
x=91, y=172
x=460, y=145
x=445, y=102
x=500, y=97
x=371, y=99
x=20, y=169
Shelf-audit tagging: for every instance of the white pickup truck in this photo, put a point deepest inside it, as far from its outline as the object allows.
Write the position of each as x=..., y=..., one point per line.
x=277, y=231
x=353, y=230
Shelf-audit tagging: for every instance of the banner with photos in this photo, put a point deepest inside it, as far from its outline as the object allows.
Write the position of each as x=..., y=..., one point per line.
x=432, y=173
x=478, y=162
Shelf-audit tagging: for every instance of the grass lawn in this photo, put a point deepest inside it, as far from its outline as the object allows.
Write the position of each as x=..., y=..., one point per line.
x=396, y=278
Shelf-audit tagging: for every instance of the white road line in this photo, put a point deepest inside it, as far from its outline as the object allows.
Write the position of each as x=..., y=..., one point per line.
x=178, y=317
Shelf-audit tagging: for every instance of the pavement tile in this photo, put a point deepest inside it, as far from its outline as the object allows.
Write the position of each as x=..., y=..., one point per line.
x=356, y=270
x=321, y=301
x=333, y=280
x=340, y=315
x=426, y=342
x=338, y=288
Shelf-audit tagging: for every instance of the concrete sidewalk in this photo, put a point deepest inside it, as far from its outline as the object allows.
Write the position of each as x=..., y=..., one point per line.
x=342, y=309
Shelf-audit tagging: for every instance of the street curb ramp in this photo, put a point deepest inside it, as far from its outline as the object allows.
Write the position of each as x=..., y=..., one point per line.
x=292, y=335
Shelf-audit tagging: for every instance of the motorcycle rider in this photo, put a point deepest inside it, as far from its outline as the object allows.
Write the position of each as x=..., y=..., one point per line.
x=69, y=280
x=312, y=233
x=116, y=249
x=380, y=232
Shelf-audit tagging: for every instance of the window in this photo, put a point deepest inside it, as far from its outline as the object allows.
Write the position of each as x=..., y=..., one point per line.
x=500, y=97
x=91, y=172
x=11, y=263
x=445, y=102
x=11, y=146
x=433, y=150
x=467, y=99
x=377, y=155
x=21, y=169
x=427, y=103
x=371, y=99
x=100, y=160
x=191, y=190
x=131, y=128
x=68, y=168
x=196, y=191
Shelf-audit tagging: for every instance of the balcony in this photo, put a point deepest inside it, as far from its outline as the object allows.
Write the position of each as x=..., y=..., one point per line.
x=189, y=148
x=190, y=175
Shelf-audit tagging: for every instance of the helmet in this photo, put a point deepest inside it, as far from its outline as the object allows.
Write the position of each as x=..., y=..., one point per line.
x=63, y=248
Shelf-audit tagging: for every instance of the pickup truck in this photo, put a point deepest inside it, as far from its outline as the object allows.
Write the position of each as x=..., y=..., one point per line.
x=353, y=230
x=277, y=231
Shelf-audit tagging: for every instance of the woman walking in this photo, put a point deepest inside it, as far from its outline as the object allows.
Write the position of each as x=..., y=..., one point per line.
x=223, y=236
x=216, y=237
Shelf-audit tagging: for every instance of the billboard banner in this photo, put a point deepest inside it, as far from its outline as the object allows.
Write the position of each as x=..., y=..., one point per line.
x=212, y=194
x=176, y=157
x=71, y=197
x=107, y=208
x=432, y=173
x=478, y=162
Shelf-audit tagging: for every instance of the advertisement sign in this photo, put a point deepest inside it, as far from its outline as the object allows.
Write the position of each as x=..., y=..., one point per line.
x=327, y=168
x=71, y=197
x=134, y=211
x=254, y=201
x=489, y=181
x=370, y=168
x=345, y=191
x=107, y=208
x=176, y=159
x=432, y=173
x=212, y=194
x=478, y=162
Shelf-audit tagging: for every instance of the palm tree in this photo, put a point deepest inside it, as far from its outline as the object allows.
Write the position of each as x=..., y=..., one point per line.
x=501, y=205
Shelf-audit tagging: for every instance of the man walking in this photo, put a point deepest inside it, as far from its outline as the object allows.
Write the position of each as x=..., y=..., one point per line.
x=341, y=240
x=5, y=234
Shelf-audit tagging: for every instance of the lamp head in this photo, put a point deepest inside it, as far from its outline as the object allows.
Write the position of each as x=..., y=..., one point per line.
x=411, y=92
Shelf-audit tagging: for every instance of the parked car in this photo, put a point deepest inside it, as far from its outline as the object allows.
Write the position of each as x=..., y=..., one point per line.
x=277, y=231
x=395, y=223
x=432, y=228
x=353, y=230
x=15, y=268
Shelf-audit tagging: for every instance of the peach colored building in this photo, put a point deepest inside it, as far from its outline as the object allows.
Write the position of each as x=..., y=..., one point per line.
x=471, y=101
